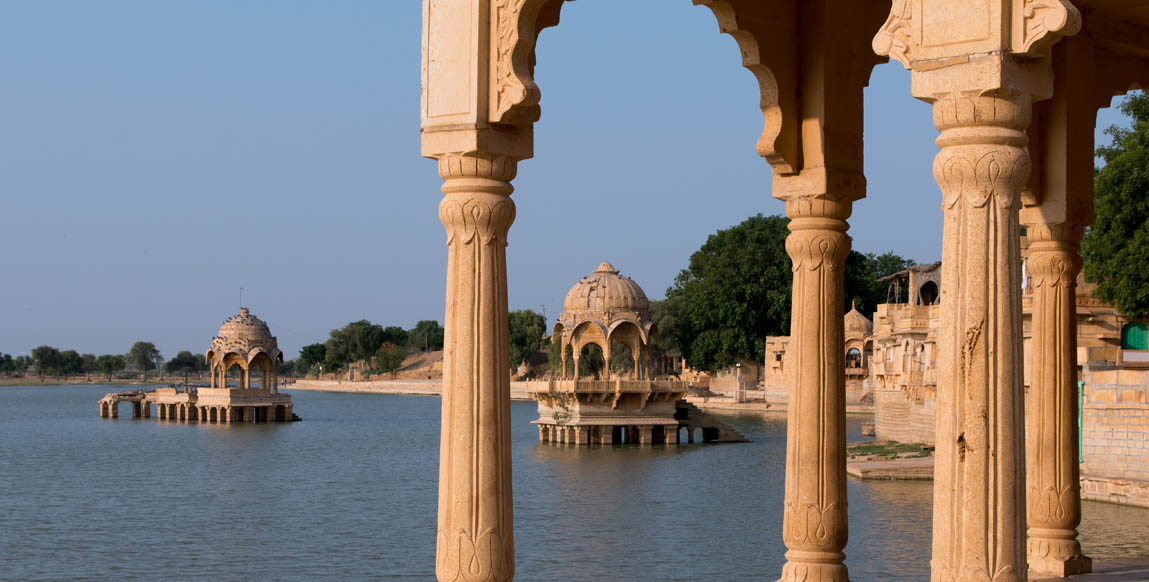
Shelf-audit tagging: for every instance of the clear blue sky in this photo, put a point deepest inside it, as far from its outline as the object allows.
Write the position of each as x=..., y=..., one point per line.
x=156, y=156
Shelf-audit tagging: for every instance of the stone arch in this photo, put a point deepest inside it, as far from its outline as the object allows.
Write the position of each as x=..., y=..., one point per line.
x=767, y=51
x=853, y=358
x=928, y=293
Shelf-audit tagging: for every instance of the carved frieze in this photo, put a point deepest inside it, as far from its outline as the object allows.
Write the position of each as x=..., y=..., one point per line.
x=930, y=33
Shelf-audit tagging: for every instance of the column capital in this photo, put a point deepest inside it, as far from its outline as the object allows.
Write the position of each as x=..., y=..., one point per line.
x=922, y=34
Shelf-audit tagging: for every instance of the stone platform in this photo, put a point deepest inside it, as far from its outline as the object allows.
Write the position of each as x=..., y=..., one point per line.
x=1131, y=570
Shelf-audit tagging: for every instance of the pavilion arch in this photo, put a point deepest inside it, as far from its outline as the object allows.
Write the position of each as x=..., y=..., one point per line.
x=767, y=50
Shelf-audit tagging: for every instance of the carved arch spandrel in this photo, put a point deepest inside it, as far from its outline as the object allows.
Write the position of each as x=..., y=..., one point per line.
x=516, y=25
x=767, y=39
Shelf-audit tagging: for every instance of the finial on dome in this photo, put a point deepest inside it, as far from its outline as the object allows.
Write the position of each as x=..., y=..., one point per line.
x=606, y=267
x=243, y=311
x=853, y=305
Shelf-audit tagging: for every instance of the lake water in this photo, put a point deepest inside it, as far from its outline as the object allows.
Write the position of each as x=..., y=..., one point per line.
x=350, y=494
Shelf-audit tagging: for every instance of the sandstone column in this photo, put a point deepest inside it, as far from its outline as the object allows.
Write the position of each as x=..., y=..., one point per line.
x=475, y=541
x=981, y=75
x=1054, y=495
x=814, y=520
x=979, y=492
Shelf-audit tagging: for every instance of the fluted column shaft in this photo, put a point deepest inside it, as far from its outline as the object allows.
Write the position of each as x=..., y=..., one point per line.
x=979, y=493
x=475, y=540
x=1052, y=472
x=814, y=521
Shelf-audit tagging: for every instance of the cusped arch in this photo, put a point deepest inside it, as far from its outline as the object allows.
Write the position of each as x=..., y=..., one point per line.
x=617, y=326
x=768, y=51
x=578, y=330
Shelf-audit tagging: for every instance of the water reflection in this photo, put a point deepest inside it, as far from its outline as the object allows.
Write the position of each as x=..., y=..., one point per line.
x=350, y=493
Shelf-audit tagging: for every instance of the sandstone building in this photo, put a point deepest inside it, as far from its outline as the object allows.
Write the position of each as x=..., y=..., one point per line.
x=1014, y=86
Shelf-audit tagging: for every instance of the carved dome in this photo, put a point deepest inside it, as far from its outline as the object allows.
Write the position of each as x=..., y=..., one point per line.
x=606, y=290
x=244, y=334
x=858, y=325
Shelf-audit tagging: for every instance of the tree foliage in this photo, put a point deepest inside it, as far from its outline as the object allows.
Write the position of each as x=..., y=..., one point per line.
x=109, y=364
x=527, y=329
x=861, y=276
x=389, y=358
x=45, y=360
x=1115, y=250
x=145, y=357
x=185, y=363
x=311, y=355
x=590, y=361
x=737, y=290
x=71, y=364
x=426, y=335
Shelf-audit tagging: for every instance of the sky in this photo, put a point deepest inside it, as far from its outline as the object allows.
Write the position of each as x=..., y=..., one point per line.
x=155, y=157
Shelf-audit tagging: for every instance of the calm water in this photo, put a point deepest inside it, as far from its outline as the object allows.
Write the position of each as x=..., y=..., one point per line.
x=350, y=494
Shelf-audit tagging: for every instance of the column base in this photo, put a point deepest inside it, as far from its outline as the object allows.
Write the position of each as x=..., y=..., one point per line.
x=815, y=571
x=1056, y=558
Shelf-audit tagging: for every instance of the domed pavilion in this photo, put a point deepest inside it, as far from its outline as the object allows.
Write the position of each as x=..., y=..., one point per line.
x=610, y=310
x=607, y=309
x=245, y=342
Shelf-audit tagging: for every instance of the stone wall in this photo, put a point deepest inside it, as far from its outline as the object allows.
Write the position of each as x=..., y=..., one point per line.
x=1115, y=424
x=902, y=419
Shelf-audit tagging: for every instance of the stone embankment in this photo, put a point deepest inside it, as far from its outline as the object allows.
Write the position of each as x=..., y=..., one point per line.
x=410, y=387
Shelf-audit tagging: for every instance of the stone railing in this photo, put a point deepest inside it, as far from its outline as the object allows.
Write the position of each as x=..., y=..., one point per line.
x=617, y=385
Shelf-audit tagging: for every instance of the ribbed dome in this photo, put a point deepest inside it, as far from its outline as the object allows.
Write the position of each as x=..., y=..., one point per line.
x=606, y=290
x=857, y=325
x=243, y=333
x=245, y=326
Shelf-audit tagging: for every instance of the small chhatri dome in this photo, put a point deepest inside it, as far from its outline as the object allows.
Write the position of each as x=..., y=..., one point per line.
x=243, y=333
x=857, y=325
x=245, y=326
x=606, y=290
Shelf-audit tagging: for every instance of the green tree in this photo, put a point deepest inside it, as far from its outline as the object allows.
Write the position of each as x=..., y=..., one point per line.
x=427, y=335
x=861, y=275
x=21, y=364
x=590, y=361
x=7, y=364
x=185, y=363
x=395, y=335
x=311, y=355
x=109, y=364
x=389, y=358
x=287, y=368
x=89, y=364
x=735, y=292
x=621, y=359
x=71, y=364
x=145, y=357
x=527, y=329
x=1115, y=250
x=45, y=360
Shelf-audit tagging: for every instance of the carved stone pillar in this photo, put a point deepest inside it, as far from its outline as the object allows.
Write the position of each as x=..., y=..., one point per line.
x=475, y=540
x=814, y=520
x=1052, y=472
x=979, y=492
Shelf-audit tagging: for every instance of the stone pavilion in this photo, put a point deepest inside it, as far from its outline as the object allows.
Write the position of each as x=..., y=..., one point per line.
x=611, y=311
x=244, y=344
